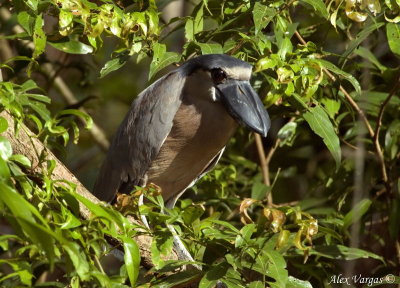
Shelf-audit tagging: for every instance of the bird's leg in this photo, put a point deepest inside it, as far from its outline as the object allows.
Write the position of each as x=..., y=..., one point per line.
x=181, y=250
x=143, y=217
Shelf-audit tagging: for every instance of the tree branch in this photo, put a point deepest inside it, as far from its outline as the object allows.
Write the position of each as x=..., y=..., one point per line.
x=23, y=143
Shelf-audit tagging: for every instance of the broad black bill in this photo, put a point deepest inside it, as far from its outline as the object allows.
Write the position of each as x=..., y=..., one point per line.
x=244, y=105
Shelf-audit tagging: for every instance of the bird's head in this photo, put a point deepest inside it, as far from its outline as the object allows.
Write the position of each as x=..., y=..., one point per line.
x=227, y=80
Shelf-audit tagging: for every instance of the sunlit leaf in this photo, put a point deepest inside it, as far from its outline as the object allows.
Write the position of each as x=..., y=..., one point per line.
x=132, y=259
x=319, y=6
x=88, y=120
x=276, y=268
x=21, y=159
x=393, y=35
x=297, y=283
x=26, y=21
x=262, y=15
x=5, y=148
x=39, y=37
x=210, y=48
x=161, y=59
x=3, y=124
x=72, y=46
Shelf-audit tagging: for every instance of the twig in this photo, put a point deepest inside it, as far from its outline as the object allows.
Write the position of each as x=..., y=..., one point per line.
x=265, y=160
x=96, y=132
x=264, y=167
x=379, y=124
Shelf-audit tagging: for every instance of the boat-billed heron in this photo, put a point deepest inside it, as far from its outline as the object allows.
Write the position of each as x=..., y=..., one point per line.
x=177, y=128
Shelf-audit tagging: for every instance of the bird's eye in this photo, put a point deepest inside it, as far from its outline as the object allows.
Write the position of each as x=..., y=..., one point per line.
x=218, y=75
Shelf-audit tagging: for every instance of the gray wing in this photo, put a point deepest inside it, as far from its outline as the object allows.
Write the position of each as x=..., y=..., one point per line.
x=140, y=137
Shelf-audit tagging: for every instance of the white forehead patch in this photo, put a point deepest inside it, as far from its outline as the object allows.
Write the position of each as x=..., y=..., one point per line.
x=239, y=73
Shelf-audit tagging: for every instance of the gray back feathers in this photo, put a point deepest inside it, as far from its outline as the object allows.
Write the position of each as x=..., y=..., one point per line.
x=140, y=137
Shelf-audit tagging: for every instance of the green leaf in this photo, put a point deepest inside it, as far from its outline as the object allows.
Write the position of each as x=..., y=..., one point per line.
x=198, y=23
x=319, y=122
x=331, y=106
x=65, y=22
x=39, y=37
x=262, y=15
x=38, y=97
x=40, y=109
x=78, y=259
x=341, y=252
x=245, y=235
x=191, y=213
x=331, y=67
x=189, y=29
x=287, y=133
x=392, y=137
x=367, y=54
x=276, y=268
x=29, y=85
x=22, y=269
x=131, y=258
x=88, y=120
x=161, y=59
x=177, y=279
x=26, y=21
x=5, y=148
x=356, y=213
x=210, y=48
x=361, y=36
x=113, y=64
x=71, y=220
x=212, y=276
x=21, y=159
x=72, y=46
x=33, y=4
x=393, y=35
x=297, y=283
x=319, y=6
x=161, y=247
x=259, y=190
x=256, y=284
x=24, y=214
x=98, y=211
x=4, y=170
x=3, y=124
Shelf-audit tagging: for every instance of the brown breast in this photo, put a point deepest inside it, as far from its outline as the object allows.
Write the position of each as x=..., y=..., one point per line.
x=201, y=129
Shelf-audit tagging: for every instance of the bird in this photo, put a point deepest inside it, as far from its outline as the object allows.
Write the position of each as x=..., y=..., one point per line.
x=176, y=129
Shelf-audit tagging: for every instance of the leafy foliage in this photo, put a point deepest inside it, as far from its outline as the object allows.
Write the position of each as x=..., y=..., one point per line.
x=333, y=148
